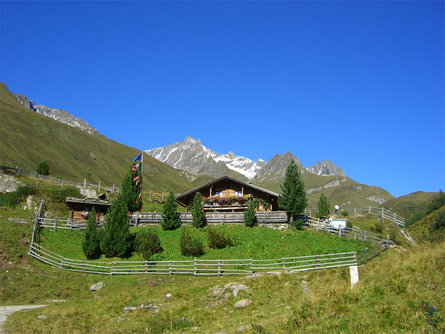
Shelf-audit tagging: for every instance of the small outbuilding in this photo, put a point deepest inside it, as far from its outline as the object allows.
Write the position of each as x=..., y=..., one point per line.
x=80, y=208
x=227, y=194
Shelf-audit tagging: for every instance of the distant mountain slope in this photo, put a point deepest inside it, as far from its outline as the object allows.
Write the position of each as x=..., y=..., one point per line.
x=424, y=229
x=27, y=138
x=56, y=114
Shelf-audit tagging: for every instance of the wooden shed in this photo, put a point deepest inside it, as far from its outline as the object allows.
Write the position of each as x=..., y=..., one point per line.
x=227, y=194
x=81, y=207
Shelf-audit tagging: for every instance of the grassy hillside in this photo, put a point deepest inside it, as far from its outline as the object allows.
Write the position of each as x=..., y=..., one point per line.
x=412, y=206
x=400, y=291
x=28, y=138
x=424, y=229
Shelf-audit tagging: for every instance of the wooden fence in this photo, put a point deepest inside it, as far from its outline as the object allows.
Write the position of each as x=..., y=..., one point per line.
x=198, y=267
x=381, y=212
x=212, y=218
x=353, y=233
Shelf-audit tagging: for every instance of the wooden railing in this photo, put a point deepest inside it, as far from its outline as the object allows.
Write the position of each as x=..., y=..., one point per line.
x=381, y=212
x=195, y=267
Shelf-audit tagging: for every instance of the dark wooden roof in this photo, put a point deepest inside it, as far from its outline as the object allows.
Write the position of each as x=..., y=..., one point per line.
x=186, y=198
x=91, y=201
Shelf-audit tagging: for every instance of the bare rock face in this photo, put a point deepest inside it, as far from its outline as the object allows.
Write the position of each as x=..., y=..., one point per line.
x=326, y=168
x=56, y=114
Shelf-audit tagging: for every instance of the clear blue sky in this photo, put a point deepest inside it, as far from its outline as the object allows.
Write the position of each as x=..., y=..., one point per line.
x=359, y=83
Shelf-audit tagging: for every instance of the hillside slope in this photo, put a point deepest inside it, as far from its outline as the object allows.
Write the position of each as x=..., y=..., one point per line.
x=27, y=138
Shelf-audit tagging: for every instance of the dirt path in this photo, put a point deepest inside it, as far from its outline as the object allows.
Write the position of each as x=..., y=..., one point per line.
x=5, y=311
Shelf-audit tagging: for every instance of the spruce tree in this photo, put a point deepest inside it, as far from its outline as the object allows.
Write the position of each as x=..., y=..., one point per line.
x=130, y=191
x=43, y=168
x=91, y=241
x=293, y=199
x=323, y=208
x=170, y=216
x=116, y=240
x=198, y=215
x=250, y=214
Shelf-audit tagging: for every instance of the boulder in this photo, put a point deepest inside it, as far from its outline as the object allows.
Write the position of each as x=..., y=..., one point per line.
x=235, y=287
x=97, y=286
x=243, y=303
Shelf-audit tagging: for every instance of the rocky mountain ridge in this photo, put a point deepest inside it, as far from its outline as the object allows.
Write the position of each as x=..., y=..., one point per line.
x=193, y=157
x=56, y=114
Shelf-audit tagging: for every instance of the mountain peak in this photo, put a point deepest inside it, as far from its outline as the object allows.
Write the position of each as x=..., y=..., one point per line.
x=326, y=168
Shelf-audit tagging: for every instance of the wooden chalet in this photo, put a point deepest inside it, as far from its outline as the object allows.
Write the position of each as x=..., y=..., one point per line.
x=81, y=207
x=227, y=194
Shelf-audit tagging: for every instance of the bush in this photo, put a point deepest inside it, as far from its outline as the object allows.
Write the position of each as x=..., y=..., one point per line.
x=60, y=195
x=91, y=241
x=43, y=168
x=440, y=219
x=218, y=239
x=348, y=224
x=250, y=215
x=345, y=213
x=11, y=199
x=191, y=245
x=147, y=243
x=298, y=224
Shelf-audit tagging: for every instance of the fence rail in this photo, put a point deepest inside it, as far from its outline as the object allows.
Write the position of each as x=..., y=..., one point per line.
x=214, y=217
x=198, y=267
x=382, y=212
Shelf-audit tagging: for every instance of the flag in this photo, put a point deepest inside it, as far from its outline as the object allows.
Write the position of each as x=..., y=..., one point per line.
x=139, y=157
x=136, y=167
x=136, y=178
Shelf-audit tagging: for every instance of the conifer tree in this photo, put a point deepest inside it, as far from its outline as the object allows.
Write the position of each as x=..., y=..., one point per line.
x=198, y=215
x=43, y=168
x=250, y=214
x=293, y=199
x=116, y=240
x=130, y=191
x=170, y=216
x=323, y=207
x=91, y=241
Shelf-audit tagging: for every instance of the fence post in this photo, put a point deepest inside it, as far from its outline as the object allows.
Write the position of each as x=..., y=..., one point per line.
x=219, y=268
x=366, y=250
x=62, y=184
x=111, y=268
x=112, y=189
x=194, y=267
x=318, y=261
x=170, y=269
x=366, y=236
x=81, y=268
x=84, y=183
x=162, y=197
x=282, y=264
x=339, y=231
x=146, y=266
x=98, y=187
x=355, y=211
x=251, y=265
x=55, y=225
x=370, y=209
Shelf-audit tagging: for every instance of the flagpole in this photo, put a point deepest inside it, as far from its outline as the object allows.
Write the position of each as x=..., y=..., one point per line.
x=142, y=171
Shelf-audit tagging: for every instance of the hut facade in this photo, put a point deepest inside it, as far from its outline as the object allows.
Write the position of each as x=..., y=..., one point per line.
x=227, y=194
x=80, y=208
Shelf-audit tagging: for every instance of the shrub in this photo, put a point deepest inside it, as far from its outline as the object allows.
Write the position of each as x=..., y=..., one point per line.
x=91, y=241
x=348, y=224
x=170, y=217
x=218, y=239
x=198, y=215
x=250, y=215
x=191, y=245
x=440, y=219
x=43, y=168
x=147, y=243
x=60, y=195
x=345, y=213
x=11, y=199
x=298, y=223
